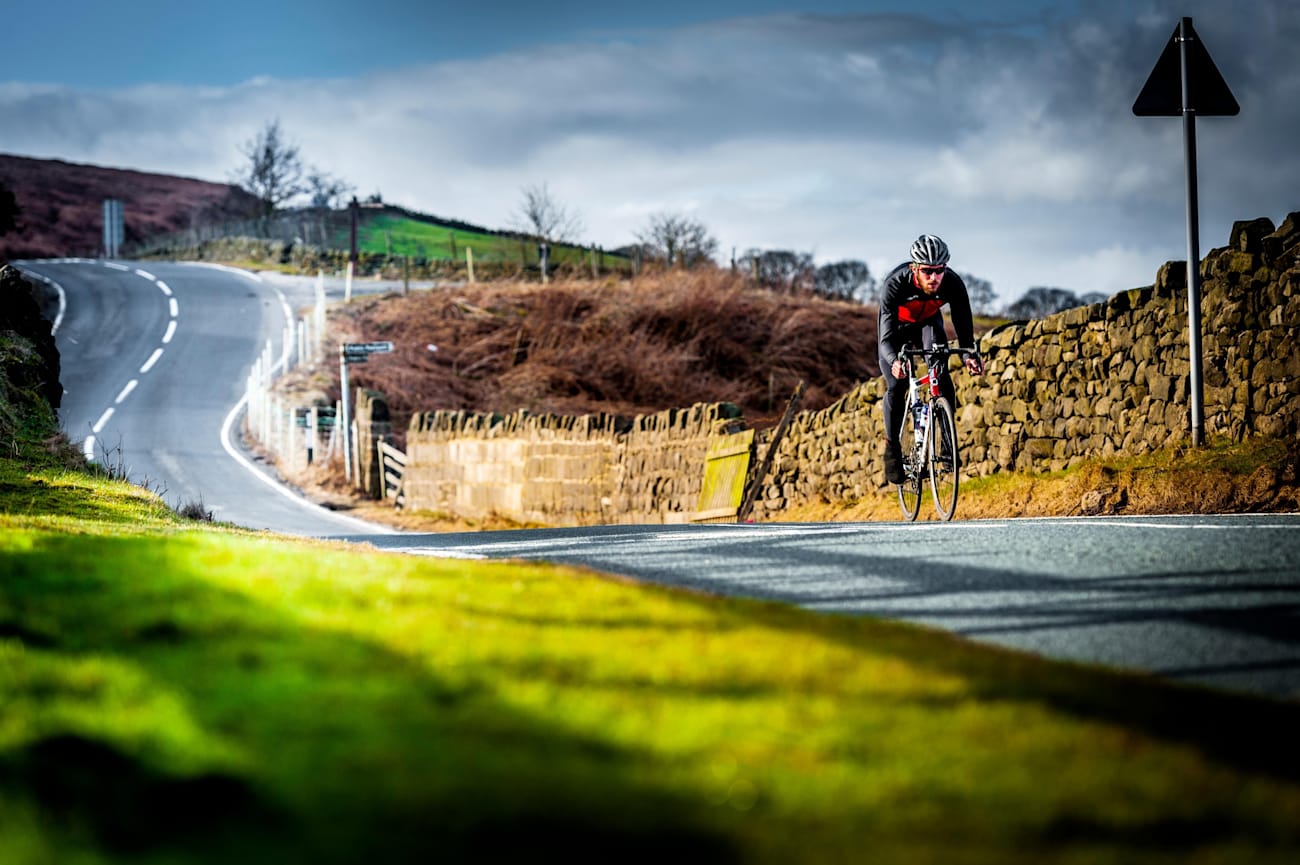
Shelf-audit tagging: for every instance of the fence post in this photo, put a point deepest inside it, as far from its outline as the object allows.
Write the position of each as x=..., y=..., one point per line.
x=313, y=418
x=319, y=348
x=469, y=262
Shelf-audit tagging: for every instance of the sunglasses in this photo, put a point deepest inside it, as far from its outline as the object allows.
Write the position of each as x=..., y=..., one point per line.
x=932, y=271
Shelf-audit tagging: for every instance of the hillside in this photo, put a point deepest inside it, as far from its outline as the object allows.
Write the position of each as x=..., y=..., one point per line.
x=622, y=347
x=61, y=204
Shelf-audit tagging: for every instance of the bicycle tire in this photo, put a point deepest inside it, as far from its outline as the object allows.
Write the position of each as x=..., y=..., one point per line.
x=945, y=462
x=909, y=491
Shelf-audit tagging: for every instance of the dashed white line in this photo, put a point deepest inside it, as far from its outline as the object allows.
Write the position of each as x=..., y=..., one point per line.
x=175, y=309
x=103, y=419
x=88, y=447
x=113, y=266
x=153, y=359
x=171, y=331
x=126, y=391
x=146, y=274
x=166, y=289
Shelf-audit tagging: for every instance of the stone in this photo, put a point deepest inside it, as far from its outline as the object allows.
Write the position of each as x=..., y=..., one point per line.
x=1248, y=235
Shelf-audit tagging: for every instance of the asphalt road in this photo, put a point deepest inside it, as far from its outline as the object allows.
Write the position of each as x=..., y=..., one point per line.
x=154, y=359
x=1210, y=600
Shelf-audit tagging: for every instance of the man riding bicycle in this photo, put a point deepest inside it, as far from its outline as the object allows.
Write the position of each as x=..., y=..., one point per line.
x=911, y=302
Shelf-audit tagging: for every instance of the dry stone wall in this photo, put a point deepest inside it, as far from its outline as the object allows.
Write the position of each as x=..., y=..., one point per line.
x=1094, y=381
x=561, y=470
x=1098, y=380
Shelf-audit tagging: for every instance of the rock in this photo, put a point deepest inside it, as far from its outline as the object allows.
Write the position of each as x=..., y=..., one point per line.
x=1248, y=235
x=21, y=314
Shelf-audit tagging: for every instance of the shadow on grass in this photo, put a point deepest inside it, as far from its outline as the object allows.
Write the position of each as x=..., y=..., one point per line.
x=1252, y=733
x=350, y=752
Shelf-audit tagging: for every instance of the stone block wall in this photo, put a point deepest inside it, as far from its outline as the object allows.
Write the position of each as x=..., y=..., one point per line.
x=560, y=470
x=1094, y=381
x=371, y=422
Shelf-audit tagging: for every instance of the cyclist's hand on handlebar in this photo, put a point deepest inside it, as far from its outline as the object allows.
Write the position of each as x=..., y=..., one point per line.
x=898, y=368
x=975, y=364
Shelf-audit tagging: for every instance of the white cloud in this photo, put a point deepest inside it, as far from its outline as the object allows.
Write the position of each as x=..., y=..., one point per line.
x=846, y=136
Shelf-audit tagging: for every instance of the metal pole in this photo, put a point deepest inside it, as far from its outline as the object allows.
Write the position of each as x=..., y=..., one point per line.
x=1193, y=247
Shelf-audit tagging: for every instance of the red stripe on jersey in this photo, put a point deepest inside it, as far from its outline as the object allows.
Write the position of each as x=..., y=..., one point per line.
x=917, y=311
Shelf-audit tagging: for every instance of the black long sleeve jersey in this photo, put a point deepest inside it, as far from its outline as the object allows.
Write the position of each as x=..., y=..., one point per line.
x=905, y=308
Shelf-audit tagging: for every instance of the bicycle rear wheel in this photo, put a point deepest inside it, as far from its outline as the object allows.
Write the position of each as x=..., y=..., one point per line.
x=909, y=491
x=945, y=463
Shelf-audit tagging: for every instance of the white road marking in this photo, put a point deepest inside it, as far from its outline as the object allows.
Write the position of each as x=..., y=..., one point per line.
x=165, y=288
x=103, y=419
x=146, y=274
x=153, y=359
x=130, y=386
x=175, y=310
x=88, y=447
x=114, y=266
x=171, y=331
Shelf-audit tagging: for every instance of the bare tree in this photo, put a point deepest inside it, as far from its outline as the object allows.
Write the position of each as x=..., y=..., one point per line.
x=847, y=280
x=676, y=239
x=274, y=172
x=980, y=292
x=781, y=269
x=1042, y=301
x=543, y=218
x=326, y=191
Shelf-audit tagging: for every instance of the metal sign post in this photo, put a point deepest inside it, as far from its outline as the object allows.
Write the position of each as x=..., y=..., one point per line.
x=350, y=353
x=113, y=228
x=1185, y=82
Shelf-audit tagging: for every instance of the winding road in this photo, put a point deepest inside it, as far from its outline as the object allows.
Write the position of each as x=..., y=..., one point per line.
x=154, y=361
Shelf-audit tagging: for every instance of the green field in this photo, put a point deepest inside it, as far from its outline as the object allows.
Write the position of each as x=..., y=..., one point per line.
x=387, y=233
x=182, y=692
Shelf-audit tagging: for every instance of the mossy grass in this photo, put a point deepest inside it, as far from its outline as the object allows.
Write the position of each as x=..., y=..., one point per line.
x=1256, y=475
x=204, y=694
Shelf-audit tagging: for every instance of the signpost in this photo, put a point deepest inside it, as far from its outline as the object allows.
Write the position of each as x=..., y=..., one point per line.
x=1184, y=83
x=352, y=353
x=113, y=228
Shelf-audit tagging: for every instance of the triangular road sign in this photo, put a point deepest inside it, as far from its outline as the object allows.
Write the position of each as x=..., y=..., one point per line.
x=1163, y=93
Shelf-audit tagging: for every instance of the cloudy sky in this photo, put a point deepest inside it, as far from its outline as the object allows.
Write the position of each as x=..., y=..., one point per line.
x=836, y=127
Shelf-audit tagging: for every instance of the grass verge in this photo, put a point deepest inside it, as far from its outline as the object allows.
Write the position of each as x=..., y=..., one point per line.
x=174, y=693
x=1257, y=475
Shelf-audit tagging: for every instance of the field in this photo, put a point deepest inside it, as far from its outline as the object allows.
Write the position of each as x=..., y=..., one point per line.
x=618, y=346
x=186, y=693
x=388, y=232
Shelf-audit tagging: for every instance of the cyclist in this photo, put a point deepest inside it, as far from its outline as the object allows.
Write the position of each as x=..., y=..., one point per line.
x=911, y=300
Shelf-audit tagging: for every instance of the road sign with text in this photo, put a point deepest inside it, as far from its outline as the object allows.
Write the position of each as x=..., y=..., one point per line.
x=359, y=352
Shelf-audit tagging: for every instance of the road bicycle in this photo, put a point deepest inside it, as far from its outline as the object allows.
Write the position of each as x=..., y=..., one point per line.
x=928, y=435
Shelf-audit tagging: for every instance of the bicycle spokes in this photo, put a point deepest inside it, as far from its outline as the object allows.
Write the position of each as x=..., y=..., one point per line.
x=944, y=459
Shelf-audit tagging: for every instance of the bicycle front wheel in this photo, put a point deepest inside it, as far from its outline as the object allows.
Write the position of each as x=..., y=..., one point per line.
x=945, y=462
x=909, y=491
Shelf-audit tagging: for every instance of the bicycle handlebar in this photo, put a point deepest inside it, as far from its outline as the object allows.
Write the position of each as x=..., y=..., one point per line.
x=939, y=349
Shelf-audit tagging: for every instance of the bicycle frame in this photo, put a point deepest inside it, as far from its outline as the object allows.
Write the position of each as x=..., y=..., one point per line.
x=934, y=446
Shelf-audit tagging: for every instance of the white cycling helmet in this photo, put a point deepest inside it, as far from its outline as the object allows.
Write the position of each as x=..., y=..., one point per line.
x=930, y=250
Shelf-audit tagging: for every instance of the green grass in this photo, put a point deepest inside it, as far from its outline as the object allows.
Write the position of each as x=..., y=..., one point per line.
x=171, y=692
x=387, y=234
